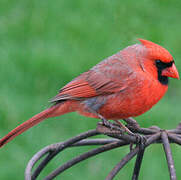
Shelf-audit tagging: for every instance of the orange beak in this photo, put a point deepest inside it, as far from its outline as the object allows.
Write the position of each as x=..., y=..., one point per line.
x=171, y=72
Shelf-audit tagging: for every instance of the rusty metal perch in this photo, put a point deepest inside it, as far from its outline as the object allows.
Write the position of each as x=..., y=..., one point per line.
x=151, y=135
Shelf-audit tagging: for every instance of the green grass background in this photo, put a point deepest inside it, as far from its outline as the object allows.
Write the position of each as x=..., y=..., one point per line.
x=45, y=44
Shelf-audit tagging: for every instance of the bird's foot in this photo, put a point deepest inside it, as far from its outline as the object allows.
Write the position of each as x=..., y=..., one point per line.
x=122, y=126
x=141, y=140
x=111, y=126
x=108, y=124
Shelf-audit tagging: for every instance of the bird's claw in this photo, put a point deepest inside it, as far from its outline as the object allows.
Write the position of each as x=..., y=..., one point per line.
x=110, y=125
x=107, y=123
x=140, y=140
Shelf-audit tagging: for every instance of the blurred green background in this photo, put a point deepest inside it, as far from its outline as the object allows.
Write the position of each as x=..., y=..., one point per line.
x=45, y=44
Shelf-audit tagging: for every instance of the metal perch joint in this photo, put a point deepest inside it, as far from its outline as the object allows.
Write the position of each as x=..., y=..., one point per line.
x=151, y=135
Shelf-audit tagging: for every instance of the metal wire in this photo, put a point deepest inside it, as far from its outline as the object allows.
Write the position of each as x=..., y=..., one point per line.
x=116, y=140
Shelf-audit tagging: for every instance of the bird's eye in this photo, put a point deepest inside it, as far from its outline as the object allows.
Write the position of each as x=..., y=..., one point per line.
x=158, y=62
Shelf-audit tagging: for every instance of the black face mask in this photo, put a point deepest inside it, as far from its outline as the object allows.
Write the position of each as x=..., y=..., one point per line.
x=160, y=67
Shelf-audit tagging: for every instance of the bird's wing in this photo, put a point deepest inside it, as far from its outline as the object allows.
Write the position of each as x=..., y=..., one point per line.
x=108, y=77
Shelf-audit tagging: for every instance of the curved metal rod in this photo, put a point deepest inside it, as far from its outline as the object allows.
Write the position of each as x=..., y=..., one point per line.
x=97, y=141
x=129, y=156
x=134, y=127
x=177, y=130
x=174, y=138
x=152, y=135
x=168, y=154
x=53, y=150
x=84, y=156
x=121, y=164
x=138, y=162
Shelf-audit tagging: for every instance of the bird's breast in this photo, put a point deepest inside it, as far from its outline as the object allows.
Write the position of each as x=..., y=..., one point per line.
x=135, y=100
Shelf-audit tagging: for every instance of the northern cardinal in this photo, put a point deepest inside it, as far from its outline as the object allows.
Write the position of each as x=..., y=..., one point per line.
x=126, y=84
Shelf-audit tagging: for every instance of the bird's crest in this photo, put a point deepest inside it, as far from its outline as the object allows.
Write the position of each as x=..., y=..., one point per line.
x=156, y=51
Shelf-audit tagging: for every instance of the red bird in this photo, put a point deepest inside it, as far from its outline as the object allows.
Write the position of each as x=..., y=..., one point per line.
x=126, y=84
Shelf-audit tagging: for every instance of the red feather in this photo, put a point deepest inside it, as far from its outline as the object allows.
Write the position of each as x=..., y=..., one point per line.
x=126, y=84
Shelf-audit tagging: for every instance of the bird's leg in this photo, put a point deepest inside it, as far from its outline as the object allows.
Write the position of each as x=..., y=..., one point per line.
x=141, y=140
x=124, y=127
x=106, y=122
x=112, y=126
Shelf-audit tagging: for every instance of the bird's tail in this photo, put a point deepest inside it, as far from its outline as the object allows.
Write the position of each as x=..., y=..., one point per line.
x=56, y=110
